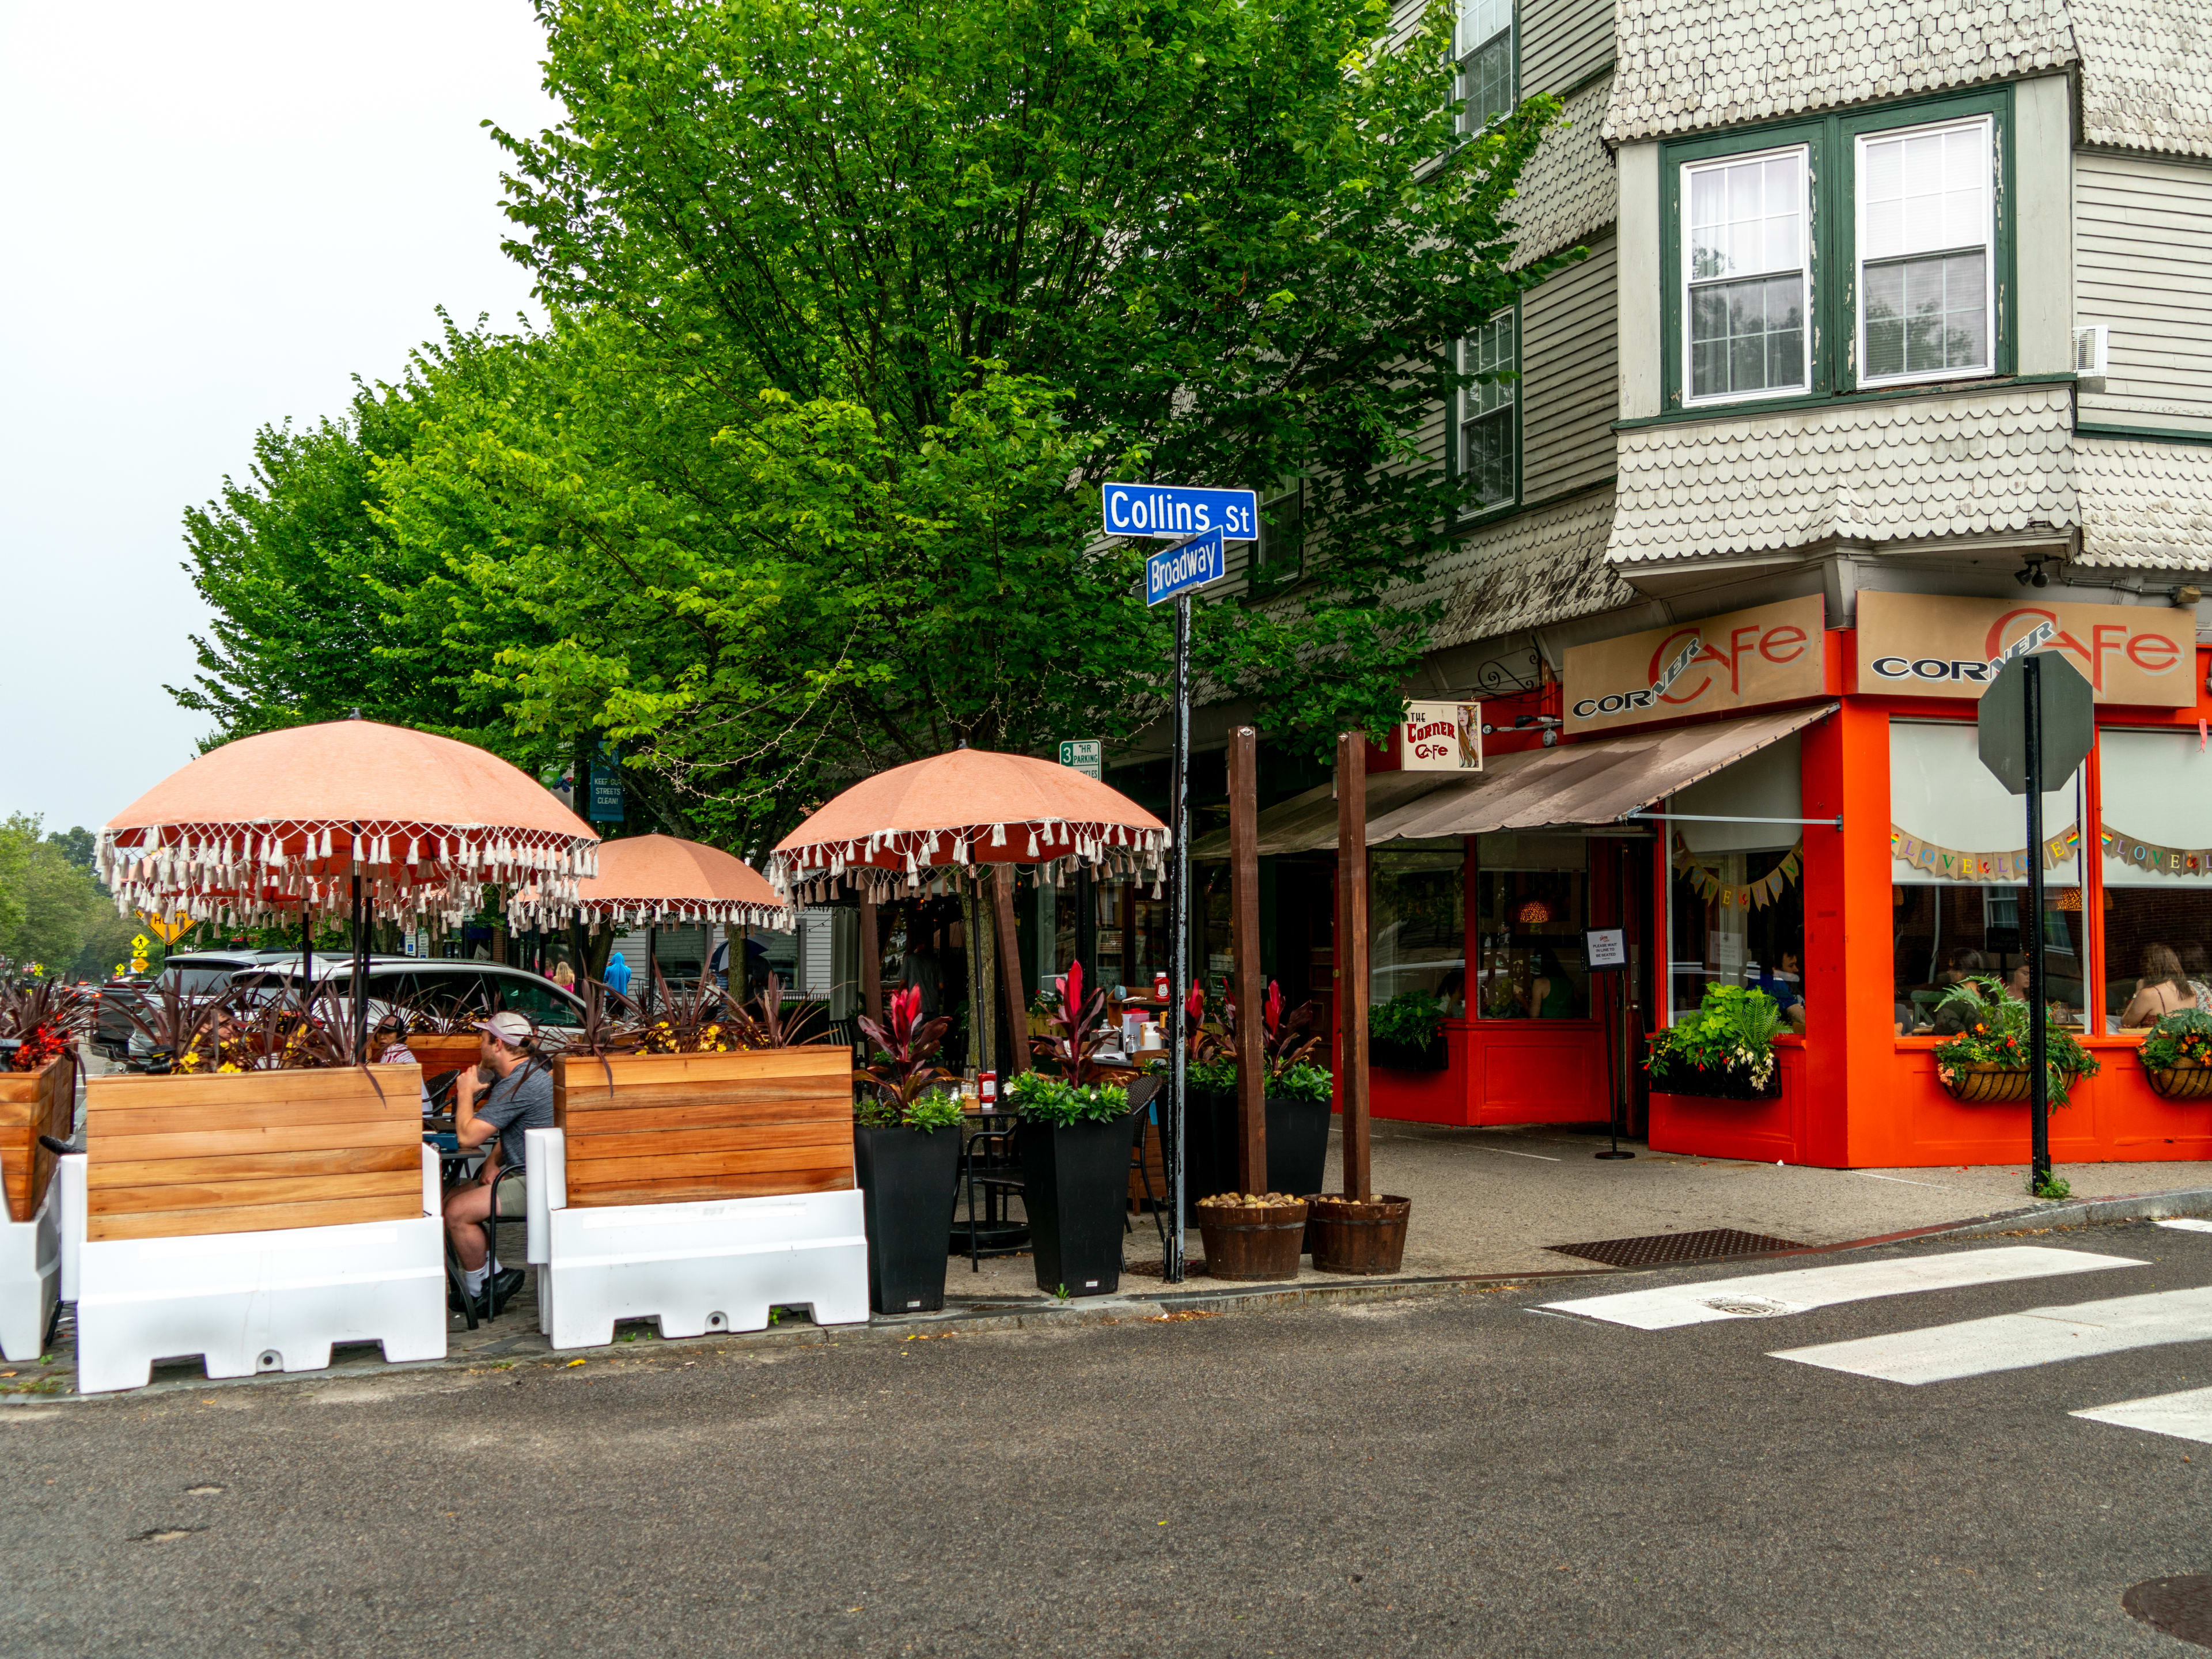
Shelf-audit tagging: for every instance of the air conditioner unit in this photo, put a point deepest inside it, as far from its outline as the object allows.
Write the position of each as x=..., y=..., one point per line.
x=2091, y=343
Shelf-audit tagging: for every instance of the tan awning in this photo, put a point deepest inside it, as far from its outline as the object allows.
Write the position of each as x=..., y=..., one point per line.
x=1574, y=784
x=1586, y=783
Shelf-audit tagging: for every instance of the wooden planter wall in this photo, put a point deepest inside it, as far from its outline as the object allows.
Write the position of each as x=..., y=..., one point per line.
x=440, y=1056
x=251, y=1152
x=670, y=1128
x=33, y=1103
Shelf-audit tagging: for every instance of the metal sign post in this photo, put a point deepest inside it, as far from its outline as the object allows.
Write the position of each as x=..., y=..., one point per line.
x=1201, y=522
x=2035, y=724
x=1605, y=949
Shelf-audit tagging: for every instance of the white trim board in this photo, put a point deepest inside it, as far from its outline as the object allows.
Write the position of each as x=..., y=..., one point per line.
x=1764, y=1294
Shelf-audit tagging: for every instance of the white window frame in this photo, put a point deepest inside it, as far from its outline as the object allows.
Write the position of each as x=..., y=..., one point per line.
x=1464, y=49
x=1682, y=247
x=1511, y=404
x=1987, y=367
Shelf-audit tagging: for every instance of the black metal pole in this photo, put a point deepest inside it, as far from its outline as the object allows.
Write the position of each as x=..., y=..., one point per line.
x=651, y=937
x=1178, y=946
x=2038, y=1073
x=360, y=992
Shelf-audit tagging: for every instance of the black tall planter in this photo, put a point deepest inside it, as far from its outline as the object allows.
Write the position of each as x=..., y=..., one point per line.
x=1298, y=1146
x=1393, y=1055
x=1075, y=1186
x=907, y=1177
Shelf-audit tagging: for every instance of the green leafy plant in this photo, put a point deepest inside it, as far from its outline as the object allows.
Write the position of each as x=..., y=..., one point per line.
x=1041, y=1098
x=1303, y=1081
x=1412, y=1017
x=2182, y=1038
x=1217, y=1075
x=2051, y=1186
x=1731, y=1037
x=933, y=1111
x=1996, y=1032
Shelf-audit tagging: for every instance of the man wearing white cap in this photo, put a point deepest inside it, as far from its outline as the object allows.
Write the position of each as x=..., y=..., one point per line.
x=518, y=1096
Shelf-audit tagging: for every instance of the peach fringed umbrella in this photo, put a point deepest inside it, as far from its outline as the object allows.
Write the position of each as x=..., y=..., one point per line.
x=646, y=880
x=349, y=815
x=914, y=826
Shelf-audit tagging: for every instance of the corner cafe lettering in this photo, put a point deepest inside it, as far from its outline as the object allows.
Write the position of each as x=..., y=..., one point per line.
x=1761, y=801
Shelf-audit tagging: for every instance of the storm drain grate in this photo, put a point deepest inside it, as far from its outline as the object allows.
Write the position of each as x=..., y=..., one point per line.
x=2181, y=1607
x=1663, y=1247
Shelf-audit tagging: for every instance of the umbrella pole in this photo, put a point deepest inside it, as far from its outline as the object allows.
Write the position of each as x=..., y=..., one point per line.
x=652, y=956
x=1010, y=972
x=360, y=993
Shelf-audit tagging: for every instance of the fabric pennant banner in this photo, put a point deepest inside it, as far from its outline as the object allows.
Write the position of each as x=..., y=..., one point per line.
x=1705, y=880
x=1950, y=861
x=2151, y=855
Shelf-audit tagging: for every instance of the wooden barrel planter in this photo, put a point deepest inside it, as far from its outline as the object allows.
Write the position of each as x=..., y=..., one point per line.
x=2191, y=1081
x=1983, y=1084
x=1350, y=1237
x=1252, y=1242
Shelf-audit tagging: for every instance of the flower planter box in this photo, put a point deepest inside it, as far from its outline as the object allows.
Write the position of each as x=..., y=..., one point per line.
x=1983, y=1084
x=33, y=1103
x=1354, y=1237
x=441, y=1056
x=2189, y=1081
x=1393, y=1055
x=1073, y=1179
x=907, y=1181
x=1731, y=1084
x=1253, y=1242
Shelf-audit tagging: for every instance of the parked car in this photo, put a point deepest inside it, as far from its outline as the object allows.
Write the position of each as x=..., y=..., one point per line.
x=195, y=974
x=449, y=986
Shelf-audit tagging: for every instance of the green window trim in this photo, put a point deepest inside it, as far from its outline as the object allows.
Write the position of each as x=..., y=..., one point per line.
x=1279, y=557
x=1457, y=415
x=1830, y=147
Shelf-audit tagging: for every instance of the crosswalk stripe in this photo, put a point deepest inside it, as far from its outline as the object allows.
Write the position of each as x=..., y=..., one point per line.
x=1764, y=1295
x=2187, y=1223
x=2186, y=1415
x=2011, y=1342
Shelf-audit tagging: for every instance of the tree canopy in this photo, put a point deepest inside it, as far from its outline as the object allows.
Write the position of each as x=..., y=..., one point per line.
x=853, y=307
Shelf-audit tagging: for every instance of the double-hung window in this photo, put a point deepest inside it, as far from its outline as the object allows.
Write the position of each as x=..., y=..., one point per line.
x=1487, y=414
x=1924, y=272
x=1745, y=294
x=1280, y=556
x=1482, y=47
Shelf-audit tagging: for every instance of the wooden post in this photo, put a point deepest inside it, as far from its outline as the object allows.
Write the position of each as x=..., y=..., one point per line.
x=871, y=962
x=1351, y=954
x=1245, y=942
x=1015, y=1061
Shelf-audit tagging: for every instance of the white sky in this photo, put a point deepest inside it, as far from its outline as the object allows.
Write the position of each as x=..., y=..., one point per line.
x=216, y=214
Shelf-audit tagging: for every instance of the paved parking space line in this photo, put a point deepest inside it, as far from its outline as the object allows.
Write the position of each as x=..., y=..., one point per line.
x=1787, y=1291
x=2012, y=1342
x=2186, y=1415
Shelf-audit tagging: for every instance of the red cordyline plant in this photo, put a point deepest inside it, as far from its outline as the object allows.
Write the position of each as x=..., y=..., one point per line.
x=1075, y=1030
x=47, y=1017
x=1285, y=1041
x=902, y=1071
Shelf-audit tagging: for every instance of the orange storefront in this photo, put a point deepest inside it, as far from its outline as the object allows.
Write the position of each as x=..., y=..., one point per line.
x=1827, y=832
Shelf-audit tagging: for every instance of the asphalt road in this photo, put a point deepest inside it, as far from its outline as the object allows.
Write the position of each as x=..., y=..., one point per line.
x=1452, y=1474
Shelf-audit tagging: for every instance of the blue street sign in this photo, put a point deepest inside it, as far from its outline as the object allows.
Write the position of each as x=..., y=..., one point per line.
x=1170, y=512
x=1173, y=570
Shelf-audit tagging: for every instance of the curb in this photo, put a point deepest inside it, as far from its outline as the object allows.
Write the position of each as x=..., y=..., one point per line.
x=2090, y=1211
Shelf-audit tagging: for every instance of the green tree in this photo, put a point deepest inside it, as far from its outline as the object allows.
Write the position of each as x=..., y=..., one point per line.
x=49, y=903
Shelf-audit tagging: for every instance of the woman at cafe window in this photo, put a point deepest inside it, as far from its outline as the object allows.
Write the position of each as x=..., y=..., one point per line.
x=2163, y=990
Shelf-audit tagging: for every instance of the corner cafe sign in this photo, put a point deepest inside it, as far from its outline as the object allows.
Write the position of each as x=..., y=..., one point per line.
x=1921, y=645
x=1770, y=653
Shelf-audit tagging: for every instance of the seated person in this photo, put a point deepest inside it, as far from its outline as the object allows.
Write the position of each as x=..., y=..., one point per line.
x=1786, y=985
x=1962, y=963
x=510, y=1090
x=388, y=1042
x=1452, y=993
x=1550, y=994
x=1951, y=1019
x=2163, y=990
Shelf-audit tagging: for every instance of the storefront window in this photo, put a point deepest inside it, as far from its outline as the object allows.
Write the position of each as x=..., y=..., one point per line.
x=1532, y=903
x=1735, y=900
x=1959, y=875
x=1417, y=922
x=2157, y=788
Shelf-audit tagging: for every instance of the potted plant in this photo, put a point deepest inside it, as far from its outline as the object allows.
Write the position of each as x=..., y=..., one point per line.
x=1076, y=1135
x=906, y=1155
x=1987, y=1061
x=1725, y=1051
x=2178, y=1055
x=1405, y=1034
x=1297, y=1091
x=40, y=1024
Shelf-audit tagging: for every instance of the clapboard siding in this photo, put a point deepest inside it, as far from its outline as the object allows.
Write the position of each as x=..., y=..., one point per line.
x=2143, y=267
x=1570, y=365
x=1563, y=43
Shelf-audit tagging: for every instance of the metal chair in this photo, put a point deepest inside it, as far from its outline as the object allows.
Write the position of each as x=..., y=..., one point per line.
x=991, y=1161
x=1146, y=1091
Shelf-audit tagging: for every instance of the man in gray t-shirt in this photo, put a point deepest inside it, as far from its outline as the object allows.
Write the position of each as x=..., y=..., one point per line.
x=518, y=1096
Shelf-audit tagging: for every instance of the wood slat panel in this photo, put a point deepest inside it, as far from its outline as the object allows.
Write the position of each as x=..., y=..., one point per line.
x=809, y=1097
x=225, y=1143
x=350, y=1160
x=41, y=1103
x=734, y=1138
x=281, y=1190
x=659, y=1071
x=695, y=1114
x=694, y=1166
x=252, y=1219
x=194, y=1117
x=776, y=1183
x=402, y=1086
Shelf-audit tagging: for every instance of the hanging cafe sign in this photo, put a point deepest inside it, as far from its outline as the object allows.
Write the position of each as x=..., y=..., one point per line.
x=1907, y=848
x=1704, y=878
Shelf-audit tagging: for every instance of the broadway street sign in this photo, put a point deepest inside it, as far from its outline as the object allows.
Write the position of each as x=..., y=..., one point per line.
x=1174, y=570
